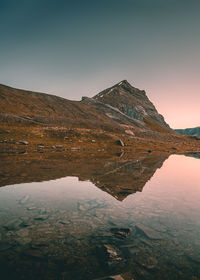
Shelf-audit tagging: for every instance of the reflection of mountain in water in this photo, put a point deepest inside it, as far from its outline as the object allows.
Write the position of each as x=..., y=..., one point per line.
x=117, y=176
x=125, y=178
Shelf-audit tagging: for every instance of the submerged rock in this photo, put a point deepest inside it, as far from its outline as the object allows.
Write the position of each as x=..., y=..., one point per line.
x=64, y=222
x=12, y=225
x=25, y=224
x=41, y=218
x=111, y=277
x=113, y=254
x=148, y=262
x=147, y=232
x=120, y=233
x=22, y=232
x=117, y=277
x=110, y=256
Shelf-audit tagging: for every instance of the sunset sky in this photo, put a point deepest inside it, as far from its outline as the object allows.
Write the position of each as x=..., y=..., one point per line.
x=80, y=47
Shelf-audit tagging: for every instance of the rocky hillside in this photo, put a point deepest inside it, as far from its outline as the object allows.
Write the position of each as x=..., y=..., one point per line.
x=121, y=108
x=189, y=131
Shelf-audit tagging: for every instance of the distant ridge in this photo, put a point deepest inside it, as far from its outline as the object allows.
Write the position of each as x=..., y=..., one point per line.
x=195, y=131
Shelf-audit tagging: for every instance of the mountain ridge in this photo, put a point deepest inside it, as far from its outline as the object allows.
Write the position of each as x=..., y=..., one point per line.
x=194, y=131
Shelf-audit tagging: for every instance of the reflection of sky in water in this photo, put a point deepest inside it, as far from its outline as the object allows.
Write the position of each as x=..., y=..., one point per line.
x=174, y=187
x=169, y=204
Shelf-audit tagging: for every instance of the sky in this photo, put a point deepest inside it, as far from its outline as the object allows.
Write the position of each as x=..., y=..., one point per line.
x=80, y=47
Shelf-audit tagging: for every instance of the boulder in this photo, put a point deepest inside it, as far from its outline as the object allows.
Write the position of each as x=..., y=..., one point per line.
x=41, y=144
x=23, y=143
x=120, y=143
x=130, y=132
x=41, y=218
x=59, y=146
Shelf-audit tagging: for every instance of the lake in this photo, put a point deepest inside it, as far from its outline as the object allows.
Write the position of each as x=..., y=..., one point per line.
x=124, y=219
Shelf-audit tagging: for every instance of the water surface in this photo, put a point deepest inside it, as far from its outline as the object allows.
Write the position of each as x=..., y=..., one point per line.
x=130, y=219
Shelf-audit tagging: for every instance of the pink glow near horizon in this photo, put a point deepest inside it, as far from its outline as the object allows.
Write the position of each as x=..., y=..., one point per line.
x=178, y=101
x=180, y=108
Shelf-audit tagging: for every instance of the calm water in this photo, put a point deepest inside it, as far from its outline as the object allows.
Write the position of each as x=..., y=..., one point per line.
x=71, y=229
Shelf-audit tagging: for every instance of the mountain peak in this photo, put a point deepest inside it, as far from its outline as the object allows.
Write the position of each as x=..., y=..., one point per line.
x=123, y=83
x=122, y=87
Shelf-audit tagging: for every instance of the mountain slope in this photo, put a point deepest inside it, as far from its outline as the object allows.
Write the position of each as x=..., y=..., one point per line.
x=32, y=108
x=195, y=131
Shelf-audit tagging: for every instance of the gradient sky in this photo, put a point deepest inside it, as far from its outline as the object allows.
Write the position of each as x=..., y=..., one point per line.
x=80, y=47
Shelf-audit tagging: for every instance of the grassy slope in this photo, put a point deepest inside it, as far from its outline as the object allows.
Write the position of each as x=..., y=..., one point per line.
x=21, y=107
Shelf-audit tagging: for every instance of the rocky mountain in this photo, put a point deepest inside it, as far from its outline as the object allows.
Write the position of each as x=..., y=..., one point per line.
x=189, y=131
x=130, y=106
x=120, y=108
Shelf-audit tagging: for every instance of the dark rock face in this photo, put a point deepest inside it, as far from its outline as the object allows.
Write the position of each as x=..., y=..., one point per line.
x=189, y=131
